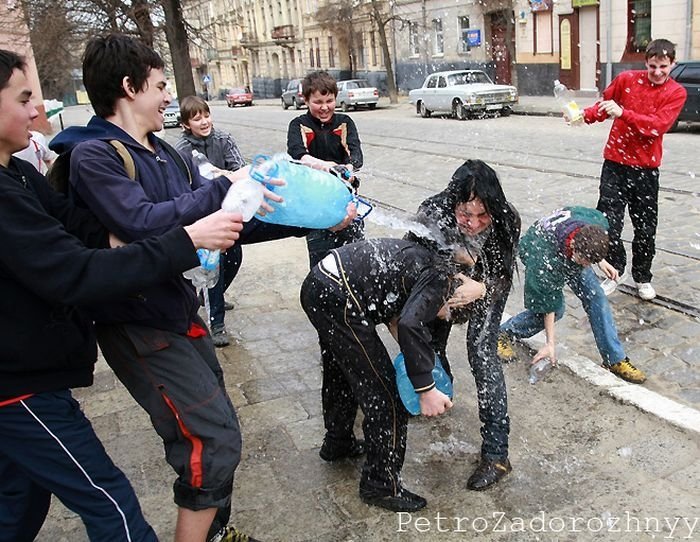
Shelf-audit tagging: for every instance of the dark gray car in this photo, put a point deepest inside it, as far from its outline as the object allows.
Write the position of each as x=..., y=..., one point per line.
x=292, y=96
x=688, y=75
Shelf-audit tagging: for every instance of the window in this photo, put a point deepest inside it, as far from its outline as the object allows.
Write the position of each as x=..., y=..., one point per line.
x=441, y=82
x=331, y=53
x=318, y=54
x=463, y=38
x=543, y=32
x=311, y=53
x=432, y=82
x=361, y=50
x=438, y=38
x=690, y=75
x=413, y=39
x=638, y=28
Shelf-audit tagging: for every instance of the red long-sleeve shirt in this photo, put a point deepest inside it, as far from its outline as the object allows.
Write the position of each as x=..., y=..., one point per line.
x=649, y=110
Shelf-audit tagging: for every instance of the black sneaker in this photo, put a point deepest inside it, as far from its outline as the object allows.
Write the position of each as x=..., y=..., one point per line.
x=488, y=473
x=228, y=306
x=333, y=450
x=405, y=501
x=231, y=534
x=219, y=336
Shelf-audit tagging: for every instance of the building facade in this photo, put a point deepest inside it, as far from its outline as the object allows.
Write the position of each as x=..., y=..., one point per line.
x=529, y=43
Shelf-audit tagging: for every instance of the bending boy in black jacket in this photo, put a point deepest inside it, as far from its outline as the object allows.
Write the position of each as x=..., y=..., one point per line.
x=46, y=273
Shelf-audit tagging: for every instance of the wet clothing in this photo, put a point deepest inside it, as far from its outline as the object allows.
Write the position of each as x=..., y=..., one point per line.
x=160, y=198
x=336, y=141
x=648, y=112
x=544, y=250
x=621, y=187
x=630, y=175
x=47, y=274
x=494, y=267
x=354, y=289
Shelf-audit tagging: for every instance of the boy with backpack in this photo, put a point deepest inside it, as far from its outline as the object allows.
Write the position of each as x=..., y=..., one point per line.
x=155, y=342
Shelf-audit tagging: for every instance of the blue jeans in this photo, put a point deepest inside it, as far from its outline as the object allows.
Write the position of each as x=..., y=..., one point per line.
x=587, y=288
x=48, y=446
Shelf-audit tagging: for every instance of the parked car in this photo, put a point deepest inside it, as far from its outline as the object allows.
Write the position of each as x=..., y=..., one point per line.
x=292, y=96
x=462, y=94
x=688, y=75
x=171, y=115
x=355, y=92
x=239, y=96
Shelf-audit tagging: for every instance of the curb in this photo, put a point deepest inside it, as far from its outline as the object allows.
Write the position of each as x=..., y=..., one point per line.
x=636, y=395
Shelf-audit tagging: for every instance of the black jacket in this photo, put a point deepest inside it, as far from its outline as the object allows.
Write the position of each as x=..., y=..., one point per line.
x=336, y=141
x=391, y=278
x=46, y=273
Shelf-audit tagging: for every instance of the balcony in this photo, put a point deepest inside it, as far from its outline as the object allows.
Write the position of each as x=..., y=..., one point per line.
x=249, y=40
x=284, y=33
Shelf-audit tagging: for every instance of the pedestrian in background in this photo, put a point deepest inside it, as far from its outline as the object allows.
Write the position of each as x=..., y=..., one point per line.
x=37, y=153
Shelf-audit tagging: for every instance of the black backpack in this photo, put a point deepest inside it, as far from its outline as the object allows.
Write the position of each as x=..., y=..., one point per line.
x=59, y=173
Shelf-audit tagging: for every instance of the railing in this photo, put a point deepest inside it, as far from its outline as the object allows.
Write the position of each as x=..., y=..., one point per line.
x=283, y=33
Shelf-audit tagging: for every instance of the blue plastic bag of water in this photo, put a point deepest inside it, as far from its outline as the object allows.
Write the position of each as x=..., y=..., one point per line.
x=312, y=198
x=408, y=394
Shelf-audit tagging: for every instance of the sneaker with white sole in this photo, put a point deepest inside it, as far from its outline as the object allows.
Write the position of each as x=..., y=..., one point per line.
x=610, y=285
x=645, y=290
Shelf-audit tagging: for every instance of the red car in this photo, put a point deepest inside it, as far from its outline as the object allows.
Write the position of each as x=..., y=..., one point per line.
x=239, y=96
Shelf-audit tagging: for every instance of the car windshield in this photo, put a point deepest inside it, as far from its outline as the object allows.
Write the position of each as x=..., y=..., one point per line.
x=238, y=91
x=173, y=105
x=467, y=78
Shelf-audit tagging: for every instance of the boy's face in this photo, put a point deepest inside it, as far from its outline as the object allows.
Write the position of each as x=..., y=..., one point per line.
x=16, y=115
x=472, y=217
x=658, y=69
x=200, y=125
x=321, y=106
x=149, y=102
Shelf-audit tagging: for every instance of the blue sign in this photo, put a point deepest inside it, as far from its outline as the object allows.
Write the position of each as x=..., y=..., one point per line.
x=474, y=37
x=206, y=79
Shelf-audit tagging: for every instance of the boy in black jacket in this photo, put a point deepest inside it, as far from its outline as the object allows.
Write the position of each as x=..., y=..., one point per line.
x=46, y=272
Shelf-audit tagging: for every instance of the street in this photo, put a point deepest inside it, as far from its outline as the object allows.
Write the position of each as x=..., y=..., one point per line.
x=587, y=464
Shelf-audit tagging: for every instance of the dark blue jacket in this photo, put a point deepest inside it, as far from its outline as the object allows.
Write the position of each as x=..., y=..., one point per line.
x=160, y=199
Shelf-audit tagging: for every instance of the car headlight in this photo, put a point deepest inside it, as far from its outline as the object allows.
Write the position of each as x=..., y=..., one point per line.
x=469, y=98
x=513, y=93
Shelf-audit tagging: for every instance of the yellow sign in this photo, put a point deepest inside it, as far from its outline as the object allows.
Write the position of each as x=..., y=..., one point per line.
x=565, y=41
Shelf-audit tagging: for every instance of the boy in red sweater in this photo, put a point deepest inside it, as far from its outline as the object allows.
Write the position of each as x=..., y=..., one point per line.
x=643, y=105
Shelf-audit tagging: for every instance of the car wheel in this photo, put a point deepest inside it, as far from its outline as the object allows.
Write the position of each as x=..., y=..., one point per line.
x=284, y=105
x=372, y=106
x=296, y=104
x=344, y=107
x=458, y=111
x=506, y=111
x=229, y=104
x=424, y=111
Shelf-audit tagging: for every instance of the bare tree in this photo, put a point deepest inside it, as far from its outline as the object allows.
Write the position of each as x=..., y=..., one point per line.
x=176, y=33
x=337, y=17
x=381, y=14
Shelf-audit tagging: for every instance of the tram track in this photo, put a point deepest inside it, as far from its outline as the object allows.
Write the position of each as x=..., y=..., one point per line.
x=368, y=136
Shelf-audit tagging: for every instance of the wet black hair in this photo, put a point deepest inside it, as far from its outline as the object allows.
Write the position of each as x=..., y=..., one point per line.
x=110, y=58
x=9, y=62
x=474, y=179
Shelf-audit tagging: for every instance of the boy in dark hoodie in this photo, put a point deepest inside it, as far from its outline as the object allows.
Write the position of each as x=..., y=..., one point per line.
x=46, y=274
x=155, y=342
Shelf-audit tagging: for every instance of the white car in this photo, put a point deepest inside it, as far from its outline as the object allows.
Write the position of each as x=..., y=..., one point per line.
x=462, y=94
x=355, y=92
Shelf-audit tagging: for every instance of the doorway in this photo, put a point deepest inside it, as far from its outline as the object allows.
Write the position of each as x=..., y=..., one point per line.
x=502, y=45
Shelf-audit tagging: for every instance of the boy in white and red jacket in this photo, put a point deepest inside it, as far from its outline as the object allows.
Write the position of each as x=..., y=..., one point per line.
x=643, y=104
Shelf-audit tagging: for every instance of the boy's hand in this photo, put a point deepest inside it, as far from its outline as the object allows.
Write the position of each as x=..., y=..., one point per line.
x=351, y=211
x=434, y=403
x=608, y=270
x=547, y=351
x=467, y=293
x=317, y=163
x=217, y=231
x=611, y=108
